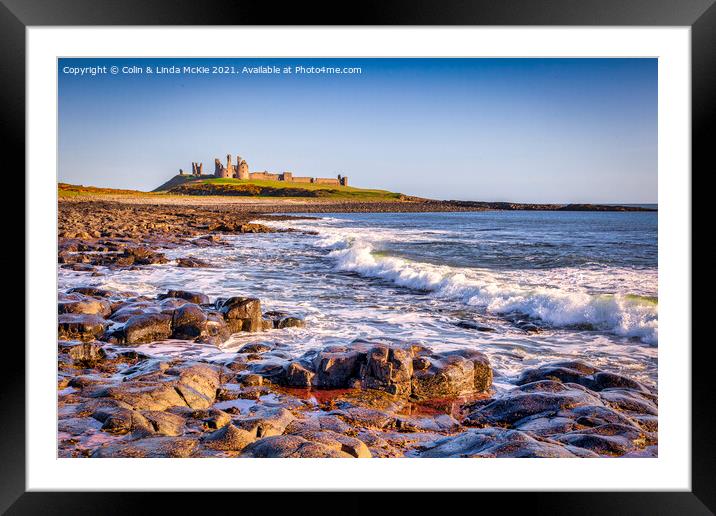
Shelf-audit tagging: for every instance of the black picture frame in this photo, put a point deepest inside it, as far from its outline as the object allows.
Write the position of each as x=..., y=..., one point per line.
x=699, y=15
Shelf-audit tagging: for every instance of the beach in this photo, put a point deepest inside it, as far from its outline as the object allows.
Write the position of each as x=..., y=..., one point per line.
x=227, y=327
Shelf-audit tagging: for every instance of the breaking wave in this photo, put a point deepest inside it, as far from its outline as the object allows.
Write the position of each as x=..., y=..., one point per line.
x=555, y=302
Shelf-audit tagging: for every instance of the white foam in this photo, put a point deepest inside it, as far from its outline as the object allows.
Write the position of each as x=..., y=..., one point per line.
x=554, y=298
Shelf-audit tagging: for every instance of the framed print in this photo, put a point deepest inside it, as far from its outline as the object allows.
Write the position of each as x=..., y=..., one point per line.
x=454, y=241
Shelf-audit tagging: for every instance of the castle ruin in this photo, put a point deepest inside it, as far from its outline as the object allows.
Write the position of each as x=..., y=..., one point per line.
x=240, y=170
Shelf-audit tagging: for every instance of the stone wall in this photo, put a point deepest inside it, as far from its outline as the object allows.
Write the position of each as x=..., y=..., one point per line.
x=326, y=181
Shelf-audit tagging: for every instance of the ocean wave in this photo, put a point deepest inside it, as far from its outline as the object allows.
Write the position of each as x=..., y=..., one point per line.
x=623, y=314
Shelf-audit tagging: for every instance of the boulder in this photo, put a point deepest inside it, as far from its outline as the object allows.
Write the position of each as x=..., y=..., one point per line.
x=193, y=297
x=446, y=377
x=499, y=442
x=81, y=304
x=298, y=375
x=228, y=438
x=337, y=367
x=242, y=314
x=291, y=446
x=150, y=447
x=87, y=354
x=147, y=327
x=80, y=326
x=188, y=322
x=265, y=422
x=389, y=369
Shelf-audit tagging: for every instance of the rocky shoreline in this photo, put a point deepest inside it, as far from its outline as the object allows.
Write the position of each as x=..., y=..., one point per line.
x=359, y=399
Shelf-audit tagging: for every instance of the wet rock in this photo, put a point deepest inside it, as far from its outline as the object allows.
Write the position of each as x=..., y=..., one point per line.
x=198, y=385
x=147, y=328
x=338, y=442
x=146, y=395
x=337, y=367
x=482, y=367
x=123, y=312
x=291, y=446
x=242, y=314
x=290, y=322
x=192, y=262
x=442, y=423
x=255, y=347
x=81, y=304
x=80, y=326
x=446, y=377
x=215, y=419
x=499, y=442
x=119, y=420
x=228, y=438
x=172, y=447
x=298, y=375
x=544, y=398
x=193, y=297
x=389, y=369
x=165, y=423
x=580, y=373
x=473, y=325
x=91, y=291
x=266, y=421
x=188, y=322
x=87, y=354
x=216, y=331
x=609, y=439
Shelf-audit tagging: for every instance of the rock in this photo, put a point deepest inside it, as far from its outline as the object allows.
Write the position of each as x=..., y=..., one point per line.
x=266, y=422
x=90, y=291
x=297, y=375
x=215, y=419
x=146, y=395
x=193, y=297
x=389, y=369
x=216, y=330
x=447, y=377
x=80, y=326
x=188, y=322
x=580, y=373
x=122, y=421
x=290, y=446
x=338, y=442
x=607, y=439
x=483, y=369
x=163, y=447
x=147, y=328
x=228, y=438
x=87, y=354
x=255, y=347
x=472, y=325
x=290, y=322
x=165, y=423
x=242, y=314
x=126, y=310
x=198, y=385
x=544, y=397
x=337, y=367
x=192, y=262
x=81, y=304
x=498, y=442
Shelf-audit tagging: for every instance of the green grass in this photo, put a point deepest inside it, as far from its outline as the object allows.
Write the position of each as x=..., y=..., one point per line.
x=324, y=191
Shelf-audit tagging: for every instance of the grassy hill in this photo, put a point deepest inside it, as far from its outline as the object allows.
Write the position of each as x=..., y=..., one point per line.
x=253, y=188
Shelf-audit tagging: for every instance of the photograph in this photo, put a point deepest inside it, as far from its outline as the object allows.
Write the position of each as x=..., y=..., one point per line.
x=357, y=257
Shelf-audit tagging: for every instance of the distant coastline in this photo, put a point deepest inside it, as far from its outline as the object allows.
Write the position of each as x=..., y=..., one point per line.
x=328, y=200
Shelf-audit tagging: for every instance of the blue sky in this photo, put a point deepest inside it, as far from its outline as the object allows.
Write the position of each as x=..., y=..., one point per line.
x=523, y=130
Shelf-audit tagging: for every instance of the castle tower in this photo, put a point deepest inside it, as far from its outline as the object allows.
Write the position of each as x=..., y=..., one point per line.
x=243, y=171
x=229, y=166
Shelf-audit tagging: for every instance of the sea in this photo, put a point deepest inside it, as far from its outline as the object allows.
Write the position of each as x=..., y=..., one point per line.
x=524, y=287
